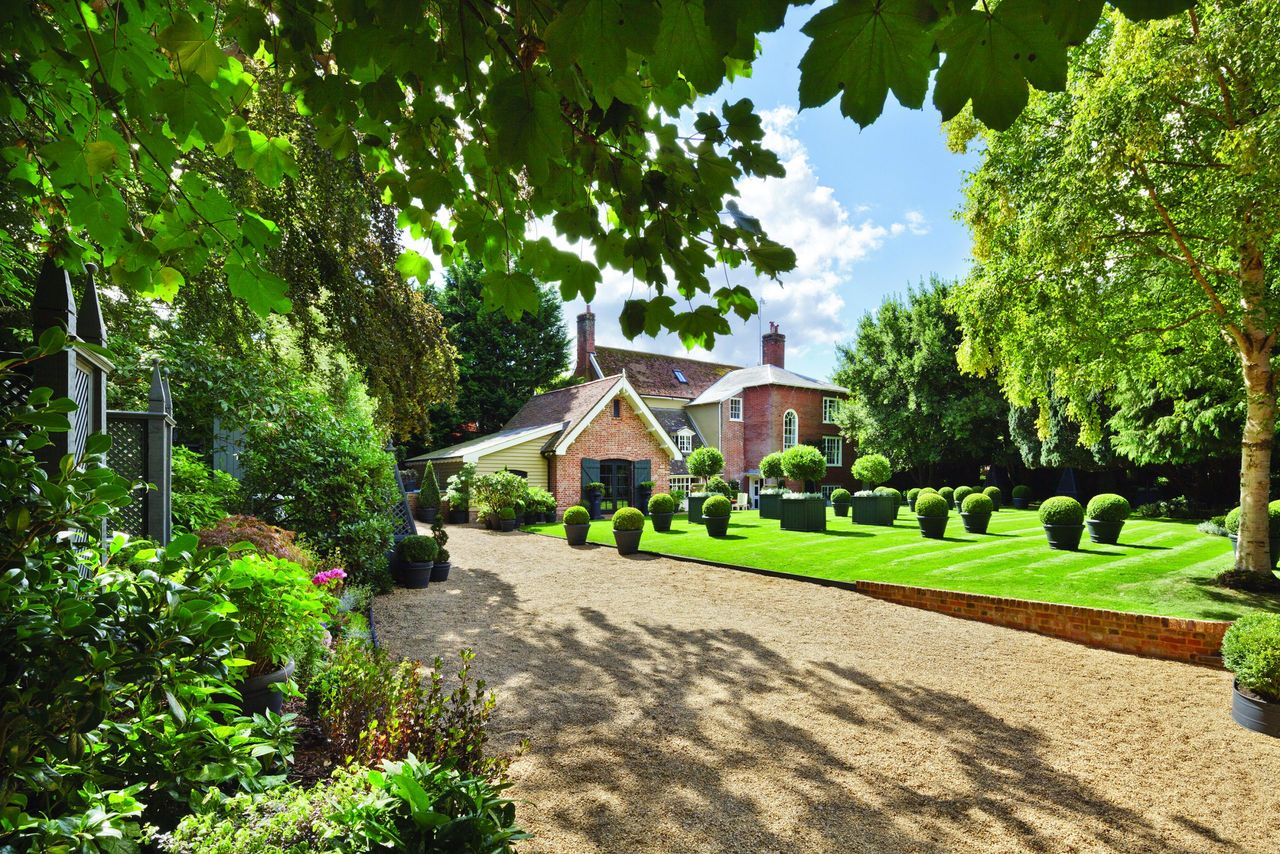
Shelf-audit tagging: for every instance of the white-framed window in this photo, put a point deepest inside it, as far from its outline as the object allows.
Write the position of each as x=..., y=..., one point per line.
x=735, y=409
x=830, y=405
x=833, y=450
x=684, y=441
x=827, y=489
x=790, y=429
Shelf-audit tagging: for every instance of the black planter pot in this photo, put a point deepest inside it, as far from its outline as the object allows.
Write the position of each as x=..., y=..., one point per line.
x=1104, y=533
x=576, y=534
x=628, y=542
x=695, y=508
x=1254, y=713
x=975, y=523
x=1275, y=548
x=440, y=571
x=520, y=520
x=415, y=576
x=841, y=508
x=804, y=514
x=771, y=505
x=911, y=505
x=506, y=525
x=933, y=527
x=427, y=514
x=256, y=694
x=642, y=499
x=662, y=521
x=1021, y=503
x=717, y=526
x=1064, y=537
x=593, y=504
x=874, y=509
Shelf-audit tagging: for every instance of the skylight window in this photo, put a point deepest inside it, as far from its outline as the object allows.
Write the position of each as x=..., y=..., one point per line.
x=679, y=376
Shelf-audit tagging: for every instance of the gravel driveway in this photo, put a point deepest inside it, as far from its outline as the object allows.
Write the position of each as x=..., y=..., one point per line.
x=676, y=707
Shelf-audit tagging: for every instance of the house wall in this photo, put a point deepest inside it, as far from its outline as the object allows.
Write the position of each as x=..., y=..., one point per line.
x=706, y=417
x=664, y=402
x=762, y=411
x=733, y=444
x=626, y=437
x=526, y=457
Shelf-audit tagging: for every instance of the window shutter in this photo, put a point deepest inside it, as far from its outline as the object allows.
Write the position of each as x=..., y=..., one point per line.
x=590, y=473
x=643, y=469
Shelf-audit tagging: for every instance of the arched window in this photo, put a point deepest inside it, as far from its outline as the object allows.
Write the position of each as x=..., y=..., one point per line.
x=790, y=428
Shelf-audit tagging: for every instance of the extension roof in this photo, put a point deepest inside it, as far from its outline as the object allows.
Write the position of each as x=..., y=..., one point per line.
x=731, y=384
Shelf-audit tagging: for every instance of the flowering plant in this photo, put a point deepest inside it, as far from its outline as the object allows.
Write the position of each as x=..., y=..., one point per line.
x=329, y=577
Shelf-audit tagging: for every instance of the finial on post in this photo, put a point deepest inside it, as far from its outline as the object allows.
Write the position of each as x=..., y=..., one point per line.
x=156, y=397
x=91, y=327
x=53, y=304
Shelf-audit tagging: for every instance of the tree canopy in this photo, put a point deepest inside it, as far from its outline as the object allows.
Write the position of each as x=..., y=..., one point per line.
x=474, y=119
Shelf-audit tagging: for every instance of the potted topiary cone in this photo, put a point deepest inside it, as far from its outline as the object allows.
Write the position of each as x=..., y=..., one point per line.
x=869, y=506
x=715, y=515
x=771, y=496
x=417, y=558
x=1273, y=514
x=840, y=500
x=975, y=513
x=804, y=511
x=1063, y=521
x=1105, y=516
x=1021, y=497
x=577, y=522
x=662, y=508
x=931, y=514
x=1251, y=650
x=428, y=496
x=704, y=463
x=993, y=492
x=628, y=526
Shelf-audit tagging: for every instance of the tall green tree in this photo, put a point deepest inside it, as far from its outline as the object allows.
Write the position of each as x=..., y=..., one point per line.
x=908, y=399
x=476, y=118
x=501, y=362
x=1128, y=228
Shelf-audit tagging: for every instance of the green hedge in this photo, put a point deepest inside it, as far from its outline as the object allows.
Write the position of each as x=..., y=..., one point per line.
x=961, y=493
x=1022, y=491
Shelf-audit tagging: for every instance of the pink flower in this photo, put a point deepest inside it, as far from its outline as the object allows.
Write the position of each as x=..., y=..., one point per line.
x=329, y=576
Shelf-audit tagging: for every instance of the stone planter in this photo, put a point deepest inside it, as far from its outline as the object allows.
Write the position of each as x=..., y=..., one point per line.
x=1254, y=713
x=804, y=514
x=932, y=527
x=975, y=523
x=695, y=508
x=717, y=526
x=1105, y=533
x=440, y=571
x=840, y=507
x=1275, y=548
x=628, y=542
x=415, y=576
x=256, y=694
x=771, y=505
x=576, y=534
x=874, y=509
x=662, y=521
x=1064, y=537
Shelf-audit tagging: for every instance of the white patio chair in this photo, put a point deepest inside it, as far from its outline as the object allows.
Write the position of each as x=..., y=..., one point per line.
x=743, y=502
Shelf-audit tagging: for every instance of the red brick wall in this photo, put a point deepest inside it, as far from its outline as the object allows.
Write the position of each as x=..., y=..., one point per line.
x=1196, y=641
x=607, y=438
x=763, y=408
x=732, y=445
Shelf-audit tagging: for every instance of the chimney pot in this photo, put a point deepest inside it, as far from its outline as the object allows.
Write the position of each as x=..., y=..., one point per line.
x=586, y=344
x=773, y=347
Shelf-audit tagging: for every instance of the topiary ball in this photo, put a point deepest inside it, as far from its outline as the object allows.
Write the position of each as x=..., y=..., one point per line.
x=1232, y=523
x=872, y=468
x=841, y=496
x=662, y=503
x=961, y=493
x=993, y=492
x=576, y=515
x=705, y=462
x=949, y=494
x=1108, y=507
x=1251, y=650
x=628, y=519
x=913, y=494
x=892, y=493
x=716, y=505
x=804, y=463
x=1061, y=510
x=977, y=504
x=928, y=489
x=932, y=504
x=416, y=548
x=1021, y=491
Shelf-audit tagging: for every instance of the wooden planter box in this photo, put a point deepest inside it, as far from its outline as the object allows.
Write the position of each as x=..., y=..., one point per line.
x=874, y=510
x=770, y=506
x=695, y=508
x=804, y=514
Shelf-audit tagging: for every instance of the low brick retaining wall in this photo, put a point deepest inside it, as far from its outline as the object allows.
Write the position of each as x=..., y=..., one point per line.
x=1195, y=641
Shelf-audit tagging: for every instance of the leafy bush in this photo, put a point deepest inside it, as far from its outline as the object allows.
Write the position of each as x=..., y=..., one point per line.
x=977, y=504
x=1251, y=650
x=499, y=491
x=771, y=466
x=278, y=608
x=872, y=469
x=459, y=488
x=429, y=492
x=678, y=496
x=661, y=503
x=716, y=485
x=716, y=505
x=418, y=549
x=1022, y=491
x=628, y=519
x=1061, y=510
x=576, y=515
x=646, y=484
x=266, y=538
x=1213, y=527
x=993, y=492
x=705, y=462
x=595, y=486
x=1108, y=507
x=804, y=463
x=931, y=504
x=539, y=500
x=201, y=495
x=913, y=494
x=961, y=493
x=841, y=496
x=1232, y=521
x=507, y=514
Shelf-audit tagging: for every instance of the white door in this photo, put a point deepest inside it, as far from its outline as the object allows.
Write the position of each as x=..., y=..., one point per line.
x=754, y=491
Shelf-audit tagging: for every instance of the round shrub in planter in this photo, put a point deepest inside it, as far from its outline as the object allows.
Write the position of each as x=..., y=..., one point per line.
x=1232, y=524
x=931, y=514
x=961, y=493
x=804, y=511
x=417, y=557
x=577, y=521
x=440, y=569
x=949, y=495
x=840, y=499
x=715, y=514
x=662, y=507
x=628, y=525
x=975, y=512
x=912, y=495
x=507, y=519
x=1021, y=497
x=1063, y=521
x=1105, y=517
x=1251, y=650
x=770, y=496
x=872, y=469
x=993, y=492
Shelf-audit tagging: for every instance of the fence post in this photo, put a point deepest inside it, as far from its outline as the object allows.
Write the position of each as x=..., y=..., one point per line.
x=159, y=463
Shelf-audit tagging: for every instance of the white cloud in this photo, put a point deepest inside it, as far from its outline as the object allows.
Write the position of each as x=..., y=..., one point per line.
x=916, y=222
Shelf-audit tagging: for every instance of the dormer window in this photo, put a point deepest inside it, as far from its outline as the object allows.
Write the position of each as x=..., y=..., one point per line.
x=684, y=441
x=680, y=378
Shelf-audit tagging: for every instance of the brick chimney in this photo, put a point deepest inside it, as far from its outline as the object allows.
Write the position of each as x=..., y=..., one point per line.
x=586, y=344
x=773, y=347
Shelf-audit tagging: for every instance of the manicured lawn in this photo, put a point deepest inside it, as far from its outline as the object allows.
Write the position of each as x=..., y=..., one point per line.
x=1160, y=567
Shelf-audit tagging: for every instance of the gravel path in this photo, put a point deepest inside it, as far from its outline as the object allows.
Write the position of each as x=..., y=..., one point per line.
x=675, y=707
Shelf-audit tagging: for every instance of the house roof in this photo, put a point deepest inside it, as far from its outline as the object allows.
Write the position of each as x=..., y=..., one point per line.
x=471, y=450
x=734, y=382
x=673, y=421
x=564, y=407
x=654, y=374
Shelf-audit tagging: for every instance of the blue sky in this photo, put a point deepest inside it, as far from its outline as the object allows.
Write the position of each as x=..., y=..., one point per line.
x=868, y=211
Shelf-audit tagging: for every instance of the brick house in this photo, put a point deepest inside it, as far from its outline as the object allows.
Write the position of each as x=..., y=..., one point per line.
x=637, y=415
